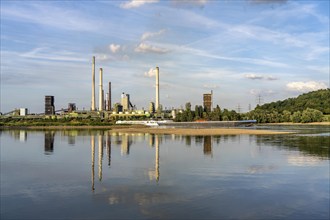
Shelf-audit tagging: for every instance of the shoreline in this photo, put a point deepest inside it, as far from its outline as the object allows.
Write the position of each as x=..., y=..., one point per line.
x=176, y=131
x=159, y=130
x=203, y=131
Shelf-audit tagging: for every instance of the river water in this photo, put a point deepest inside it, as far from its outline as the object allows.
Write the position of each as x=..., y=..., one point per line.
x=95, y=174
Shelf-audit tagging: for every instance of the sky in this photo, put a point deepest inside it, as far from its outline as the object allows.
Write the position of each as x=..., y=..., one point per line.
x=246, y=51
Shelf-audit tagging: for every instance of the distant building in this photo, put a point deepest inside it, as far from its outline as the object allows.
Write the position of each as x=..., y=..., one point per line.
x=125, y=102
x=72, y=107
x=49, y=105
x=152, y=107
x=207, y=101
x=23, y=111
x=118, y=108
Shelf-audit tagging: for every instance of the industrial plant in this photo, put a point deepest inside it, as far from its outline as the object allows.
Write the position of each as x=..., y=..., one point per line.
x=105, y=109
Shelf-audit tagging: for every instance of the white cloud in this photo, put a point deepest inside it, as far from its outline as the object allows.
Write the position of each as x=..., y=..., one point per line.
x=254, y=76
x=148, y=35
x=257, y=92
x=114, y=48
x=210, y=86
x=150, y=73
x=305, y=86
x=199, y=3
x=136, y=3
x=146, y=48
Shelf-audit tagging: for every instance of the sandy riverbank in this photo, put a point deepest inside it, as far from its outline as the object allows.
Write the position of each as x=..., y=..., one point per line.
x=203, y=131
x=159, y=130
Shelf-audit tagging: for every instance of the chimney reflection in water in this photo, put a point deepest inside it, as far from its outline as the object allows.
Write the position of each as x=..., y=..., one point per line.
x=93, y=159
x=108, y=143
x=125, y=145
x=100, y=155
x=157, y=158
x=154, y=140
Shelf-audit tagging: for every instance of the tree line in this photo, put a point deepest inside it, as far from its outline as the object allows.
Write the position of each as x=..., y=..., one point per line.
x=201, y=113
x=309, y=107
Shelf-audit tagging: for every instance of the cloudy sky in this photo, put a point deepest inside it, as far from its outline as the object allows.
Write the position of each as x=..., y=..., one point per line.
x=239, y=49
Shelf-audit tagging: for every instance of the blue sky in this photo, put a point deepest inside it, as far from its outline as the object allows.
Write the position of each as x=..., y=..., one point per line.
x=239, y=49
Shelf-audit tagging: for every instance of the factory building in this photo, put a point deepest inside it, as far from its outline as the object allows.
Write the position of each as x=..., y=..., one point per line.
x=23, y=111
x=72, y=107
x=207, y=101
x=125, y=102
x=49, y=105
x=152, y=107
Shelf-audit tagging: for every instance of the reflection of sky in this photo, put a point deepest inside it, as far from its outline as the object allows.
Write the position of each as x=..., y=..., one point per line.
x=265, y=181
x=303, y=160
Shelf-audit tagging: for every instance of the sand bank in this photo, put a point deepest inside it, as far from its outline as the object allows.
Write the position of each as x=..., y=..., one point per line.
x=203, y=131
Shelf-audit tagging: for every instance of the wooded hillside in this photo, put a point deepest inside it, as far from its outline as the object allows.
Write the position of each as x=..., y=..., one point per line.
x=319, y=100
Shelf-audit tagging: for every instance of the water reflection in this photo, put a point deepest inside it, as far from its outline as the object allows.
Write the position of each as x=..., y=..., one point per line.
x=93, y=161
x=124, y=140
x=207, y=145
x=121, y=174
x=311, y=145
x=154, y=140
x=49, y=142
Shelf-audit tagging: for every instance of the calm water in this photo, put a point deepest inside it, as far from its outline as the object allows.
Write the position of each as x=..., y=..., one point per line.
x=100, y=175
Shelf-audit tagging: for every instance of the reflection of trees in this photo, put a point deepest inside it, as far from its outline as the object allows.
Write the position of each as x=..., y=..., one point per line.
x=312, y=145
x=188, y=140
x=49, y=142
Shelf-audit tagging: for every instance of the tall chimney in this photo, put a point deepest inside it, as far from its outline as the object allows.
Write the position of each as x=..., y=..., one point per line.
x=101, y=91
x=109, y=97
x=157, y=88
x=103, y=99
x=93, y=84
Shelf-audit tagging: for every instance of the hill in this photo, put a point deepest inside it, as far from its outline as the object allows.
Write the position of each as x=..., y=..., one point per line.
x=319, y=100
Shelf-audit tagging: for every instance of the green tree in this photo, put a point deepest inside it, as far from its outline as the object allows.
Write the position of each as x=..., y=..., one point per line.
x=188, y=106
x=286, y=116
x=296, y=117
x=311, y=115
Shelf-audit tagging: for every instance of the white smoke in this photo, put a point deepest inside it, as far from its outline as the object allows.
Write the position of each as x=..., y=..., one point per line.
x=114, y=48
x=150, y=73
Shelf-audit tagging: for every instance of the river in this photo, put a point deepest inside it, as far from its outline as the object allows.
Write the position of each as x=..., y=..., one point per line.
x=96, y=174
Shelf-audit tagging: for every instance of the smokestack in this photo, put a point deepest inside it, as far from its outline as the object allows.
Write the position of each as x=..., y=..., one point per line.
x=103, y=99
x=157, y=88
x=93, y=84
x=109, y=97
x=101, y=91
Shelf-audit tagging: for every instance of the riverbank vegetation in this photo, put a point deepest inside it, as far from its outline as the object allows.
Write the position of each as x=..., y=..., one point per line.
x=310, y=107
